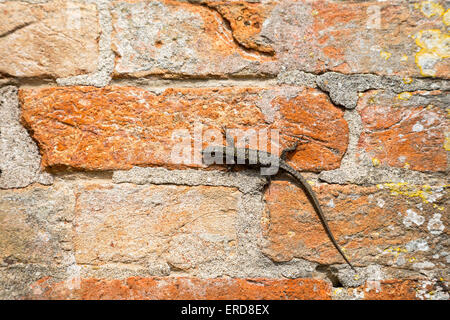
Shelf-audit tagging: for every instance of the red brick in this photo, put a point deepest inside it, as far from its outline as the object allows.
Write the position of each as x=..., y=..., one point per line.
x=405, y=130
x=372, y=224
x=312, y=36
x=182, y=288
x=121, y=127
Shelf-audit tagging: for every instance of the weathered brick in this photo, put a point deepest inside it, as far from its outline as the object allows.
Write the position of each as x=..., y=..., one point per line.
x=121, y=127
x=405, y=130
x=181, y=226
x=182, y=288
x=391, y=224
x=171, y=37
x=52, y=39
x=246, y=21
x=34, y=225
x=18, y=280
x=238, y=37
x=349, y=39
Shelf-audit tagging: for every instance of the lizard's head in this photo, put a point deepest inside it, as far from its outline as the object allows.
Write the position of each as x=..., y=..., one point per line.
x=214, y=154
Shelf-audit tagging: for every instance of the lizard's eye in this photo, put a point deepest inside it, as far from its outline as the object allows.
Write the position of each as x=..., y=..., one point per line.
x=213, y=154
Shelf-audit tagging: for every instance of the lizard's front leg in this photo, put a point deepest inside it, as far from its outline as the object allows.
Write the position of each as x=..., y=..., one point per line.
x=288, y=149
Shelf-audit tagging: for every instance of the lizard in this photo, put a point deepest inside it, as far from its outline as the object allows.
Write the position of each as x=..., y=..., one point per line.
x=252, y=157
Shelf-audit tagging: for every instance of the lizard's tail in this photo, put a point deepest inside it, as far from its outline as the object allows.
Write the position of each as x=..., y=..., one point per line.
x=317, y=207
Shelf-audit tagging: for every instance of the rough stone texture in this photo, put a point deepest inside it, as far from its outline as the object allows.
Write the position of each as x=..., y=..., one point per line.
x=344, y=89
x=245, y=181
x=170, y=37
x=182, y=288
x=16, y=280
x=105, y=64
x=368, y=98
x=52, y=39
x=246, y=21
x=300, y=78
x=34, y=224
x=207, y=241
x=118, y=127
x=20, y=160
x=396, y=225
x=234, y=38
x=394, y=290
x=350, y=39
x=405, y=130
x=210, y=242
x=35, y=237
x=181, y=226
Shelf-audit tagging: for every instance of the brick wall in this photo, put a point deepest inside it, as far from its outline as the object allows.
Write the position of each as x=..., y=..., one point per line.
x=92, y=205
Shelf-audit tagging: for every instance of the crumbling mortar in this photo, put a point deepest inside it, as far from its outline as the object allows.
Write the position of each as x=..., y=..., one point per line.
x=297, y=78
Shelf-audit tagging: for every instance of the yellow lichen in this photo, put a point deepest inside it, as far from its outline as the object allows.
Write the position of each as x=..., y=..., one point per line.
x=413, y=191
x=375, y=162
x=404, y=58
x=431, y=8
x=385, y=55
x=435, y=47
x=338, y=291
x=371, y=100
x=396, y=250
x=447, y=141
x=433, y=40
x=407, y=80
x=446, y=17
x=404, y=95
